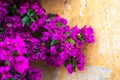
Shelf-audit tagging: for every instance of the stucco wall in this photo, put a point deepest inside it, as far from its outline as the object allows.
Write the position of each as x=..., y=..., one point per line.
x=103, y=56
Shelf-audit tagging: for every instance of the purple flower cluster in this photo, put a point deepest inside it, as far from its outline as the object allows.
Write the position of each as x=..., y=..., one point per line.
x=27, y=34
x=3, y=10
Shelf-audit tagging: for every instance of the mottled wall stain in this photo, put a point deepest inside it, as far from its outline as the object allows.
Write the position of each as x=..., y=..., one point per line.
x=90, y=73
x=103, y=56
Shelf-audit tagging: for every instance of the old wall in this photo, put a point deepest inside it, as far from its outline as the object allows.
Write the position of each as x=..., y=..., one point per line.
x=103, y=56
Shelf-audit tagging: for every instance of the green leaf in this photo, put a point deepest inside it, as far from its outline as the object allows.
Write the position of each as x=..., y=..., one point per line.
x=7, y=62
x=29, y=12
x=32, y=14
x=25, y=20
x=58, y=49
x=71, y=41
x=53, y=42
x=1, y=29
x=14, y=53
x=51, y=15
x=73, y=64
x=66, y=63
x=59, y=24
x=11, y=79
x=31, y=19
x=8, y=79
x=26, y=55
x=80, y=37
x=36, y=16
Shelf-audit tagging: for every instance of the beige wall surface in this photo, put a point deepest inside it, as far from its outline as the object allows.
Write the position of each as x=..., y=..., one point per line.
x=103, y=56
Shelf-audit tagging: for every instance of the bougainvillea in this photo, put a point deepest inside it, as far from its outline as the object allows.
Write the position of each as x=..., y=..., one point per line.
x=27, y=34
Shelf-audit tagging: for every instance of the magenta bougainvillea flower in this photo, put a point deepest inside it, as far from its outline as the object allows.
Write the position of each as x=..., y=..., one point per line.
x=21, y=65
x=37, y=9
x=28, y=33
x=23, y=8
x=3, y=10
x=87, y=34
x=69, y=68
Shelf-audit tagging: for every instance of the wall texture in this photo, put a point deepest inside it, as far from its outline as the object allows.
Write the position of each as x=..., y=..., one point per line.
x=103, y=56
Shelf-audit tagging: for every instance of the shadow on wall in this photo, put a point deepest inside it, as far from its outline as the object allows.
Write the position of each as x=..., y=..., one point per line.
x=48, y=73
x=54, y=5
